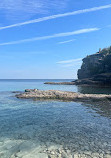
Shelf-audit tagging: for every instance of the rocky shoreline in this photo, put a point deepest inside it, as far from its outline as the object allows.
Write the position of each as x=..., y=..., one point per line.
x=103, y=80
x=60, y=83
x=29, y=149
x=61, y=95
x=83, y=82
x=95, y=70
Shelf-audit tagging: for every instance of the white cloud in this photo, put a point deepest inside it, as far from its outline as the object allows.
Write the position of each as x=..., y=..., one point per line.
x=23, y=9
x=48, y=17
x=71, y=63
x=66, y=41
x=76, y=64
x=52, y=36
x=31, y=5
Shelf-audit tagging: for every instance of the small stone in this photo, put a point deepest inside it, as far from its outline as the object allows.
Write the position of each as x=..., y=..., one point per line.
x=107, y=156
x=105, y=144
x=76, y=156
x=86, y=148
x=52, y=153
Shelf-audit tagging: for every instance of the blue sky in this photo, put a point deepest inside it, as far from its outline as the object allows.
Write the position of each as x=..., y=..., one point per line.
x=45, y=39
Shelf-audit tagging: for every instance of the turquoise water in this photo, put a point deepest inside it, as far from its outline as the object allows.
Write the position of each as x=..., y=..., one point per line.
x=50, y=129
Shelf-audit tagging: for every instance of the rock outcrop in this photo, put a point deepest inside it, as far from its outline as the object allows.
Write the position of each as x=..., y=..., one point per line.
x=97, y=67
x=60, y=83
x=95, y=70
x=61, y=95
x=97, y=80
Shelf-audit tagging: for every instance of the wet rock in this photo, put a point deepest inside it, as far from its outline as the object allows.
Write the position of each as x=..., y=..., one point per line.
x=30, y=90
x=107, y=156
x=16, y=92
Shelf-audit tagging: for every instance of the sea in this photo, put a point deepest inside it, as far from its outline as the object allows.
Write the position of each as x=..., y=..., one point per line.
x=53, y=128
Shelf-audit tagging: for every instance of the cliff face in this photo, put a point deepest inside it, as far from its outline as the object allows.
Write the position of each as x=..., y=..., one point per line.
x=96, y=64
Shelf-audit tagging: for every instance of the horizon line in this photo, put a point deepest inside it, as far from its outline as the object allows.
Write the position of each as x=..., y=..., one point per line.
x=39, y=79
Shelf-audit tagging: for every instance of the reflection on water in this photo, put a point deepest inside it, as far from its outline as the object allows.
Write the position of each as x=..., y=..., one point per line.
x=94, y=90
x=101, y=107
x=51, y=129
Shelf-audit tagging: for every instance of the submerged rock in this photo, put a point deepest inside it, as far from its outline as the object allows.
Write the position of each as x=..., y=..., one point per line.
x=61, y=95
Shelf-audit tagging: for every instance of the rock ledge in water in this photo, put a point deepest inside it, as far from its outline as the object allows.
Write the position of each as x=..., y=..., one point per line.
x=61, y=95
x=60, y=83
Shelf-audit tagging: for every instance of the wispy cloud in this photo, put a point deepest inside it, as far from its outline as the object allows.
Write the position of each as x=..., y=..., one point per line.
x=24, y=9
x=70, y=63
x=58, y=16
x=76, y=64
x=108, y=26
x=66, y=41
x=52, y=36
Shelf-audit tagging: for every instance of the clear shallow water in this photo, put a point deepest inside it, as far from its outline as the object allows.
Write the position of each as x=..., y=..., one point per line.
x=20, y=85
x=50, y=129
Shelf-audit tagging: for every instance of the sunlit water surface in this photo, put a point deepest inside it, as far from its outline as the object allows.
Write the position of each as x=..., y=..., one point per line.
x=50, y=129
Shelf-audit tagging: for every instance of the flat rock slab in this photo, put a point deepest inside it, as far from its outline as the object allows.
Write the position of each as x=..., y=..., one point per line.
x=60, y=95
x=95, y=81
x=60, y=83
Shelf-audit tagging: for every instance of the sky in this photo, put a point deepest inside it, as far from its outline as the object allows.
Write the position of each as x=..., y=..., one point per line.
x=45, y=39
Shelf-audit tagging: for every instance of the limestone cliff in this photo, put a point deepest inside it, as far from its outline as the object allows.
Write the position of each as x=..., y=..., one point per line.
x=96, y=64
x=96, y=69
